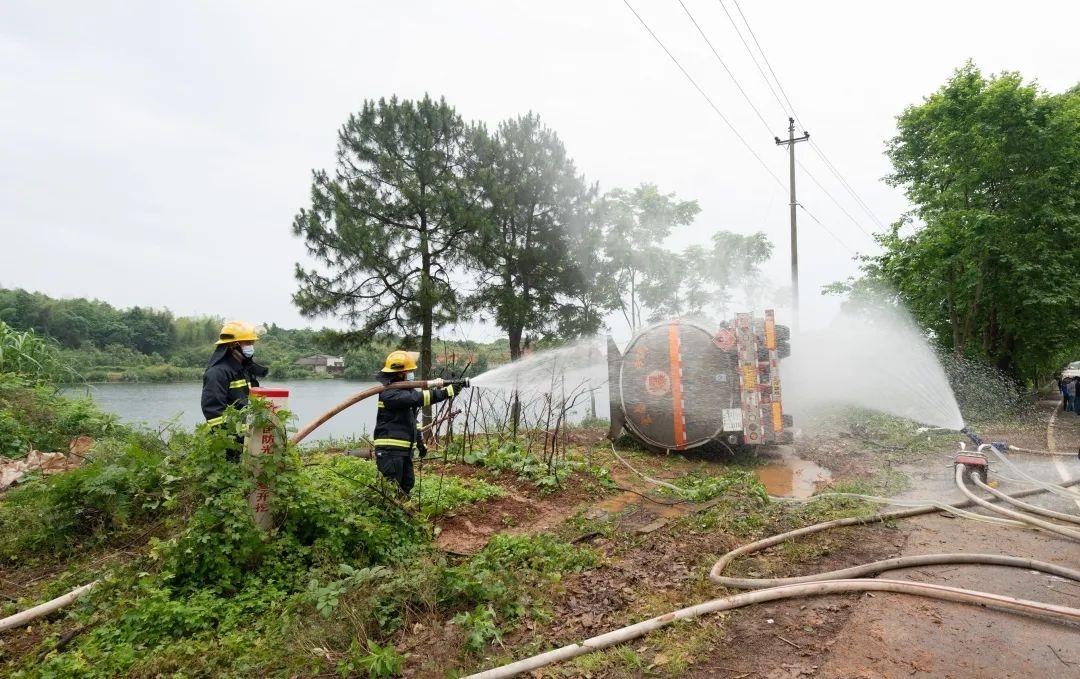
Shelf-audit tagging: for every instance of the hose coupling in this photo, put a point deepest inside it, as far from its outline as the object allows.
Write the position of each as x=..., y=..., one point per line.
x=970, y=433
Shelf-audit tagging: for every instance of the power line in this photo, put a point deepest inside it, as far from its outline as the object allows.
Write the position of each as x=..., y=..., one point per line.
x=750, y=102
x=833, y=199
x=714, y=107
x=752, y=56
x=766, y=60
x=813, y=145
x=819, y=223
x=728, y=70
x=844, y=182
x=703, y=94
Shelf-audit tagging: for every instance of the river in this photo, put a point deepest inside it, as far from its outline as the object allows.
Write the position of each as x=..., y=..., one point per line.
x=152, y=405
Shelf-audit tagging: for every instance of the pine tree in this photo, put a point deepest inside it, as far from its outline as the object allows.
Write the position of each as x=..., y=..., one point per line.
x=387, y=227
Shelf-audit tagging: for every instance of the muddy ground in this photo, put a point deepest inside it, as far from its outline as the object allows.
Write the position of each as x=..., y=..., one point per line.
x=657, y=556
x=655, y=553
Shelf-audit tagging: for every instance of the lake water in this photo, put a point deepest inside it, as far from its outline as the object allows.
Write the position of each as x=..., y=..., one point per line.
x=153, y=404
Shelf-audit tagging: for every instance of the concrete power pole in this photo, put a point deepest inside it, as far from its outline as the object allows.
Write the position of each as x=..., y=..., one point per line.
x=790, y=143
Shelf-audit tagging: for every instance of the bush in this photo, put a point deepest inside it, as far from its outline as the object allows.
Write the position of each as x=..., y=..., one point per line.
x=35, y=416
x=701, y=487
x=121, y=483
x=376, y=661
x=343, y=568
x=161, y=373
x=505, y=567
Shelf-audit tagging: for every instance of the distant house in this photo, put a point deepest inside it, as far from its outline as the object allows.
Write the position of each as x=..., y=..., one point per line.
x=323, y=363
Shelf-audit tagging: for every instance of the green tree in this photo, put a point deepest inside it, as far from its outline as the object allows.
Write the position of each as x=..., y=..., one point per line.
x=700, y=281
x=987, y=259
x=636, y=223
x=590, y=291
x=388, y=226
x=535, y=206
x=152, y=331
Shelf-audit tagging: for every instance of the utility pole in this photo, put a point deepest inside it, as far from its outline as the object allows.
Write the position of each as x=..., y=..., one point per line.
x=790, y=143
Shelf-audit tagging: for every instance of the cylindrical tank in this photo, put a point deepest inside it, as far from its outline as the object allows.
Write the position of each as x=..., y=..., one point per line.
x=674, y=382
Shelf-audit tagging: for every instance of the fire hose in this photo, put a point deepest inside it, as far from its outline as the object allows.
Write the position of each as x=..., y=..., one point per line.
x=962, y=471
x=1033, y=451
x=367, y=393
x=839, y=581
x=41, y=610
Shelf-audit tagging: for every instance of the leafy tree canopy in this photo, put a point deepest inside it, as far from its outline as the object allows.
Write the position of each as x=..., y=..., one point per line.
x=988, y=257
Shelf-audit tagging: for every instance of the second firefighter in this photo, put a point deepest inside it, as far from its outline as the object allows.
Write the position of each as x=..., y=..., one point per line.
x=397, y=424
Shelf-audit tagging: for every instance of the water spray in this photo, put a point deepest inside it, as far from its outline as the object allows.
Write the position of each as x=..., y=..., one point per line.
x=372, y=391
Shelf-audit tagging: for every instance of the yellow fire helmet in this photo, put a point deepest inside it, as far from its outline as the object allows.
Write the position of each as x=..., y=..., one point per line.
x=237, y=331
x=400, y=361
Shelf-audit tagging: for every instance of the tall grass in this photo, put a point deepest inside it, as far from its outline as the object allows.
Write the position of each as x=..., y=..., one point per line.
x=28, y=354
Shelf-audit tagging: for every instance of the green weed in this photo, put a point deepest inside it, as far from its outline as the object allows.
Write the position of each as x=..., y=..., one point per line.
x=373, y=660
x=513, y=457
x=479, y=626
x=36, y=416
x=697, y=487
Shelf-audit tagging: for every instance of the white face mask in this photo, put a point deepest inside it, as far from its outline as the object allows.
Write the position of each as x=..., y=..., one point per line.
x=410, y=376
x=248, y=351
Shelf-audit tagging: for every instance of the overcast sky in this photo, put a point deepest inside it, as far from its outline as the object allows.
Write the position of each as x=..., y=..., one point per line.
x=155, y=153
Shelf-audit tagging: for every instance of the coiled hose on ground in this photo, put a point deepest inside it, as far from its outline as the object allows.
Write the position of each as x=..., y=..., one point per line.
x=845, y=580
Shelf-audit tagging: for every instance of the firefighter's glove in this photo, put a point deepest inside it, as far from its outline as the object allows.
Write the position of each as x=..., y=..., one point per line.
x=421, y=448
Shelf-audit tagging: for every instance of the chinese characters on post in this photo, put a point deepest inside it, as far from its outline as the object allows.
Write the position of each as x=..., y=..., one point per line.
x=260, y=443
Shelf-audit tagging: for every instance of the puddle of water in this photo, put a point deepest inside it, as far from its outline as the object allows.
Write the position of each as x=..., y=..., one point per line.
x=787, y=475
x=629, y=503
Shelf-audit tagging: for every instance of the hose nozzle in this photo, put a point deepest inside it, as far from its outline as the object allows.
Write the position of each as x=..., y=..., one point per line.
x=970, y=433
x=460, y=382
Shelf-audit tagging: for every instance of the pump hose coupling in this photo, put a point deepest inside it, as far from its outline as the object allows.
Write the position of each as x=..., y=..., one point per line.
x=970, y=433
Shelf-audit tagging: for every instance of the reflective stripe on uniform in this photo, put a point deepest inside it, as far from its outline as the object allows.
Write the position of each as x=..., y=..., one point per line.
x=450, y=391
x=238, y=384
x=214, y=421
x=381, y=404
x=427, y=397
x=393, y=443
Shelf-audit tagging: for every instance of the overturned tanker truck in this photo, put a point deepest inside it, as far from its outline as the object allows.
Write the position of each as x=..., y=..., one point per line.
x=679, y=385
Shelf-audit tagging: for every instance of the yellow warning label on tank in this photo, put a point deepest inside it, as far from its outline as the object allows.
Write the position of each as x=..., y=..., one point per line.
x=749, y=377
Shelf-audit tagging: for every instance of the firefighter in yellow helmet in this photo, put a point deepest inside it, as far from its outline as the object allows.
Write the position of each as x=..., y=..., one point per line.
x=231, y=372
x=397, y=426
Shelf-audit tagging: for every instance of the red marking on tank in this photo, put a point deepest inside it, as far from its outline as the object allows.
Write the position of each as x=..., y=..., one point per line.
x=657, y=383
x=676, y=384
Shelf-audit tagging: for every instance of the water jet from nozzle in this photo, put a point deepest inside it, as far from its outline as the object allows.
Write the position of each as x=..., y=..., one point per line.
x=873, y=358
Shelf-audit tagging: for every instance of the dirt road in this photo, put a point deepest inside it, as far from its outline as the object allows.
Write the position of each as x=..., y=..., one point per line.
x=892, y=636
x=888, y=635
